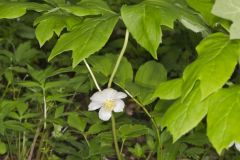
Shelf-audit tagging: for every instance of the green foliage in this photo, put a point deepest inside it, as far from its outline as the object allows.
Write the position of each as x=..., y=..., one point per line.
x=224, y=103
x=92, y=39
x=204, y=7
x=47, y=25
x=217, y=56
x=169, y=90
x=192, y=72
x=144, y=20
x=184, y=115
x=229, y=10
x=14, y=10
x=3, y=148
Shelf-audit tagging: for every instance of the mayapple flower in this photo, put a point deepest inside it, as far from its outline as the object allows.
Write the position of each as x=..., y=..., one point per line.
x=107, y=100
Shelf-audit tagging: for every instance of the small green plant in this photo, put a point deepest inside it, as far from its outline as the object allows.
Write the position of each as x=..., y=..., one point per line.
x=166, y=72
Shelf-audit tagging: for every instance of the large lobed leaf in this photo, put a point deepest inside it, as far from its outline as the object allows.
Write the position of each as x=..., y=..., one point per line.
x=169, y=90
x=53, y=23
x=215, y=64
x=145, y=19
x=185, y=115
x=223, y=117
x=217, y=58
x=15, y=9
x=89, y=37
x=204, y=7
x=229, y=9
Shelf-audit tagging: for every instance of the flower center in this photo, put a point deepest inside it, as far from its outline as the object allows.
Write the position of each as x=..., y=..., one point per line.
x=109, y=105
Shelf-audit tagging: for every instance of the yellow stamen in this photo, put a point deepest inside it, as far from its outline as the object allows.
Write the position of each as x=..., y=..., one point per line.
x=109, y=105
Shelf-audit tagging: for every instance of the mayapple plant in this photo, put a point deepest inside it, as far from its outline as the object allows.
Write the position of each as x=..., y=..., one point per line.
x=171, y=93
x=107, y=100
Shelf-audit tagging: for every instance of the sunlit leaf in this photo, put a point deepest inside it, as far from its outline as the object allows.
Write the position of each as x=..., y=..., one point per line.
x=86, y=39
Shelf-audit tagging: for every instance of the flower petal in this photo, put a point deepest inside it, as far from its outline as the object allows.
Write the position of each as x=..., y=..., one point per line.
x=98, y=97
x=94, y=105
x=119, y=106
x=104, y=114
x=109, y=93
x=237, y=145
x=120, y=95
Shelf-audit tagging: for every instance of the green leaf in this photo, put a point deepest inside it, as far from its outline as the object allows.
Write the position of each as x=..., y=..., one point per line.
x=8, y=74
x=145, y=19
x=204, y=7
x=22, y=108
x=59, y=112
x=56, y=84
x=53, y=23
x=229, y=9
x=143, y=93
x=132, y=131
x=29, y=84
x=3, y=148
x=76, y=122
x=86, y=39
x=84, y=8
x=96, y=128
x=24, y=53
x=55, y=2
x=99, y=5
x=182, y=116
x=14, y=9
x=105, y=64
x=150, y=74
x=169, y=90
x=217, y=56
x=223, y=117
x=137, y=150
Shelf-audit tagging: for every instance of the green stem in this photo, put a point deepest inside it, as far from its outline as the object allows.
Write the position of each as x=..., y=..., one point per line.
x=30, y=156
x=91, y=73
x=121, y=149
x=159, y=148
x=85, y=137
x=109, y=86
x=149, y=155
x=115, y=138
x=44, y=109
x=119, y=59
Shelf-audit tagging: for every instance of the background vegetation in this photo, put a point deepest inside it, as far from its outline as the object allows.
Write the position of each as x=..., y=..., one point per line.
x=180, y=64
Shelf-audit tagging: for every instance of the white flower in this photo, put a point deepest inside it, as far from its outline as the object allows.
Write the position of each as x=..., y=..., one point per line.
x=107, y=100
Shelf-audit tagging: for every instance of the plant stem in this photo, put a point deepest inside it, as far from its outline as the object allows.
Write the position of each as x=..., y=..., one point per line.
x=115, y=138
x=121, y=149
x=44, y=109
x=34, y=143
x=159, y=148
x=85, y=137
x=109, y=86
x=149, y=155
x=119, y=58
x=91, y=73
